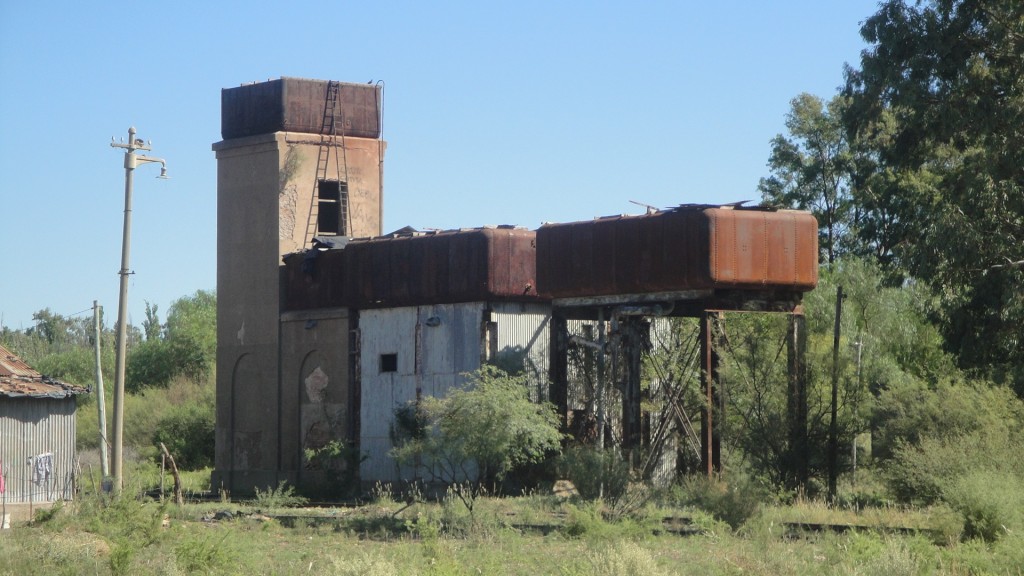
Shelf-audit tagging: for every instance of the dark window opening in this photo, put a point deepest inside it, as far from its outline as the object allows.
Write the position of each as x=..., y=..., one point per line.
x=332, y=195
x=389, y=362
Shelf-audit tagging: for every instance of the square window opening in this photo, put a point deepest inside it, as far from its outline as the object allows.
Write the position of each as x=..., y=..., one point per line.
x=332, y=196
x=388, y=363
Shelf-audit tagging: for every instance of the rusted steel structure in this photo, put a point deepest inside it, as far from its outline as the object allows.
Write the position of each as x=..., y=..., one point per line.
x=355, y=322
x=422, y=310
x=37, y=434
x=415, y=268
x=693, y=261
x=691, y=251
x=297, y=105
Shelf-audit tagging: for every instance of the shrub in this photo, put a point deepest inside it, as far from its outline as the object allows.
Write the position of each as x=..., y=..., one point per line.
x=992, y=503
x=733, y=503
x=585, y=520
x=625, y=558
x=188, y=433
x=203, y=554
x=340, y=462
x=595, y=473
x=476, y=434
x=283, y=496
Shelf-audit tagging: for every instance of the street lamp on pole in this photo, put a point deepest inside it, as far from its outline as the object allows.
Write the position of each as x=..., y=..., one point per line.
x=131, y=161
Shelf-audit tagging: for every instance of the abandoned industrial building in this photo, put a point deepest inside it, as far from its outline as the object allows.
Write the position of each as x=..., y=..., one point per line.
x=325, y=325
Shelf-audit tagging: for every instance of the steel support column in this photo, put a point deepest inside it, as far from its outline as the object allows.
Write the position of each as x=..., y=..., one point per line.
x=796, y=341
x=711, y=441
x=559, y=368
x=632, y=348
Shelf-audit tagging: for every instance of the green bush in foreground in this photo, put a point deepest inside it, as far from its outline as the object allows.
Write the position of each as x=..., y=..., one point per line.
x=732, y=502
x=475, y=435
x=595, y=473
x=188, y=433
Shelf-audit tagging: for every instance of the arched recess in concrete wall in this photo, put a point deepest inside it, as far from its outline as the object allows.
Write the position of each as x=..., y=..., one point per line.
x=314, y=381
x=247, y=418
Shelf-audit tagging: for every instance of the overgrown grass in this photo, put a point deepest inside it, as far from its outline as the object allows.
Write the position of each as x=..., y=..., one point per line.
x=532, y=534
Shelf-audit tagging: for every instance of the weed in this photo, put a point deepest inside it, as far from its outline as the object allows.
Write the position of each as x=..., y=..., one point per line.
x=382, y=494
x=121, y=557
x=733, y=503
x=203, y=554
x=362, y=565
x=890, y=558
x=625, y=558
x=990, y=502
x=595, y=473
x=44, y=515
x=283, y=496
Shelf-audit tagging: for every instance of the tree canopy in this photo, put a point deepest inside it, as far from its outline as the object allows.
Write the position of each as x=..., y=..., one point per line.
x=938, y=105
x=186, y=345
x=811, y=169
x=919, y=163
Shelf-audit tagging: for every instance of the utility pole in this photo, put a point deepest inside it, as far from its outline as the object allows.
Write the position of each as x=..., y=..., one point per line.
x=101, y=402
x=131, y=160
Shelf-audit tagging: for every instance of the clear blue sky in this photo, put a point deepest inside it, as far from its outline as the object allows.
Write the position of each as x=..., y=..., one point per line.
x=495, y=113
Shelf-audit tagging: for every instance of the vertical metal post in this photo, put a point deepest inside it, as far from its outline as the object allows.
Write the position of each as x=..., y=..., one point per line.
x=600, y=379
x=101, y=401
x=833, y=432
x=632, y=413
x=796, y=346
x=559, y=369
x=709, y=438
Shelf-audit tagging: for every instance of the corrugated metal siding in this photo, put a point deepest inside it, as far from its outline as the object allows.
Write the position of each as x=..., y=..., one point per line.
x=30, y=427
x=390, y=331
x=523, y=342
x=313, y=280
x=435, y=346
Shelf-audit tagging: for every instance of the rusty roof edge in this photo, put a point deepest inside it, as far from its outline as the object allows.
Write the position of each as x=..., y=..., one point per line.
x=42, y=387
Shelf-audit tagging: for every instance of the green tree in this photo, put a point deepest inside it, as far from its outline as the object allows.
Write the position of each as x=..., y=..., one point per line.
x=61, y=346
x=188, y=433
x=186, y=346
x=939, y=99
x=478, y=433
x=151, y=327
x=886, y=342
x=192, y=332
x=812, y=169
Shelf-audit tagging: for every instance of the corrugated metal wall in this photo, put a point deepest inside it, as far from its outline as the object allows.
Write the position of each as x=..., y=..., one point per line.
x=434, y=346
x=523, y=336
x=29, y=428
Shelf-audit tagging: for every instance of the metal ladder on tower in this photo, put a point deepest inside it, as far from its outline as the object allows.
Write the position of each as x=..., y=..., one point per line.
x=328, y=140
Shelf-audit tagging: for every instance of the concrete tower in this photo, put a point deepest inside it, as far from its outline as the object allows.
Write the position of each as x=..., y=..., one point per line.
x=299, y=158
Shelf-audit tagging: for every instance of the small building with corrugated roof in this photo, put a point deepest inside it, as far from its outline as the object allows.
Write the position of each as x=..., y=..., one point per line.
x=37, y=437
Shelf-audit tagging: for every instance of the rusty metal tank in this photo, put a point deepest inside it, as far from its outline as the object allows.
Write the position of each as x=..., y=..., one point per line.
x=313, y=279
x=683, y=249
x=297, y=105
x=415, y=269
